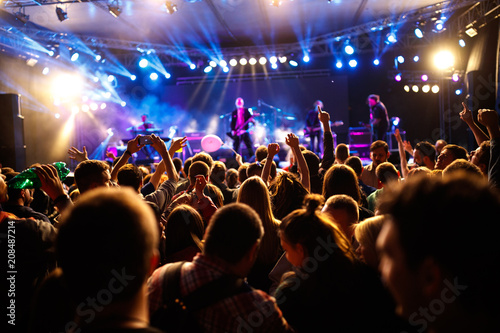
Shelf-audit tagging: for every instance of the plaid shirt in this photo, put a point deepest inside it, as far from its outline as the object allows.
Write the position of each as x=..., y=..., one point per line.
x=253, y=311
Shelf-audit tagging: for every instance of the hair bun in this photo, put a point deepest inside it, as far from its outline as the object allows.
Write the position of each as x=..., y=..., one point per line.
x=312, y=202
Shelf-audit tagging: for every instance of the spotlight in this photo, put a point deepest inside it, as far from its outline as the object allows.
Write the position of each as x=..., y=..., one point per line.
x=395, y=121
x=243, y=61
x=153, y=76
x=415, y=88
x=93, y=106
x=398, y=77
x=419, y=33
x=103, y=106
x=406, y=88
x=223, y=63
x=273, y=59
x=282, y=59
x=143, y=63
x=133, y=77
x=114, y=8
x=61, y=14
x=444, y=59
x=425, y=77
x=45, y=71
x=471, y=32
x=208, y=69
x=376, y=62
x=274, y=65
x=74, y=56
x=171, y=7
x=275, y=3
x=306, y=58
x=22, y=17
x=439, y=25
x=85, y=108
x=458, y=92
x=98, y=57
x=123, y=103
x=349, y=49
x=111, y=78
x=338, y=64
x=262, y=60
x=391, y=38
x=168, y=75
x=212, y=63
x=416, y=58
x=461, y=42
x=426, y=88
x=400, y=59
x=455, y=77
x=192, y=66
x=435, y=89
x=293, y=63
x=233, y=62
x=225, y=69
x=353, y=63
x=252, y=61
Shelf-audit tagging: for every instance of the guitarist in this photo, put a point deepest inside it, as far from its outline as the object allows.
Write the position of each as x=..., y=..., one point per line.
x=313, y=127
x=379, y=120
x=241, y=118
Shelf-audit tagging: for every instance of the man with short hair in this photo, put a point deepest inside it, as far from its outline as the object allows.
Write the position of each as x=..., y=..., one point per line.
x=440, y=268
x=232, y=243
x=344, y=212
x=379, y=120
x=424, y=154
x=90, y=174
x=448, y=154
x=107, y=247
x=379, y=153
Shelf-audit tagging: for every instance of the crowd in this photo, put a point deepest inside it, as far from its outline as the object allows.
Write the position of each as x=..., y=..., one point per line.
x=324, y=244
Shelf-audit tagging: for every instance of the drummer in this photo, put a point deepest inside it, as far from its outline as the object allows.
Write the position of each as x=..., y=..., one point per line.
x=145, y=125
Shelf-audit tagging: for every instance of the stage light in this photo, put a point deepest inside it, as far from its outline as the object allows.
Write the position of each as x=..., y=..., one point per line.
x=74, y=56
x=192, y=66
x=168, y=75
x=273, y=59
x=458, y=92
x=348, y=49
x=93, y=106
x=252, y=61
x=416, y=58
x=424, y=77
x=143, y=63
x=45, y=70
x=426, y=88
x=225, y=69
x=391, y=38
x=415, y=88
x=282, y=59
x=435, y=89
x=75, y=109
x=406, y=88
x=395, y=121
x=400, y=59
x=98, y=57
x=275, y=3
x=274, y=65
x=233, y=62
x=95, y=79
x=438, y=26
x=223, y=63
x=57, y=116
x=455, y=77
x=306, y=58
x=171, y=7
x=212, y=63
x=133, y=77
x=262, y=60
x=153, y=76
x=293, y=63
x=103, y=106
x=338, y=64
x=471, y=32
x=111, y=78
x=208, y=69
x=22, y=17
x=419, y=33
x=353, y=63
x=376, y=62
x=123, y=103
x=61, y=14
x=85, y=108
x=243, y=61
x=398, y=77
x=114, y=8
x=461, y=42
x=444, y=59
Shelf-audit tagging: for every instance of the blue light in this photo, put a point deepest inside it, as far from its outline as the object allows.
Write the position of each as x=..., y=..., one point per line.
x=153, y=76
x=401, y=59
x=274, y=65
x=74, y=56
x=349, y=49
x=133, y=77
x=416, y=58
x=143, y=63
x=168, y=75
x=208, y=69
x=192, y=66
x=461, y=42
x=306, y=58
x=353, y=63
x=376, y=62
x=111, y=78
x=419, y=33
x=391, y=38
x=225, y=69
x=458, y=92
x=339, y=64
x=293, y=63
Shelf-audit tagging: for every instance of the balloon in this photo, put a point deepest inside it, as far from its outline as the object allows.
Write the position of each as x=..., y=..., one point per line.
x=211, y=143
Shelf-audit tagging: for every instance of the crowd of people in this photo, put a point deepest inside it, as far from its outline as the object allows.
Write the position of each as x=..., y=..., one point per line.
x=324, y=244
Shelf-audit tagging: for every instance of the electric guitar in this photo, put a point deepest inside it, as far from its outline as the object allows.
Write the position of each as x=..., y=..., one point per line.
x=311, y=130
x=240, y=130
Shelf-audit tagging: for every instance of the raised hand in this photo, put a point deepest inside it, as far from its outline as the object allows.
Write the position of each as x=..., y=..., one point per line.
x=273, y=149
x=397, y=135
x=178, y=144
x=292, y=140
x=133, y=145
x=51, y=184
x=466, y=114
x=323, y=116
x=77, y=155
x=201, y=182
x=488, y=118
x=158, y=144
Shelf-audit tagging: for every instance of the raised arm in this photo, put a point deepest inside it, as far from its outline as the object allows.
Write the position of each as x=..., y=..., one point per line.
x=402, y=154
x=272, y=150
x=328, y=146
x=466, y=116
x=293, y=141
x=160, y=169
x=52, y=185
x=77, y=155
x=132, y=148
x=159, y=145
x=489, y=118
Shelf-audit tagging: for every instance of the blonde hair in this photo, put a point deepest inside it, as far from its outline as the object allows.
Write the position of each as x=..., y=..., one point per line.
x=366, y=231
x=254, y=193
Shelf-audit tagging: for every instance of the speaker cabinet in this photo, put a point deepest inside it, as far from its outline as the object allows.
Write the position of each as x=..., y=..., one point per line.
x=12, y=147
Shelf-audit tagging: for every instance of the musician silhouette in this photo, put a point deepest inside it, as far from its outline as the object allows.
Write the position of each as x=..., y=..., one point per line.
x=241, y=118
x=313, y=127
x=145, y=123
